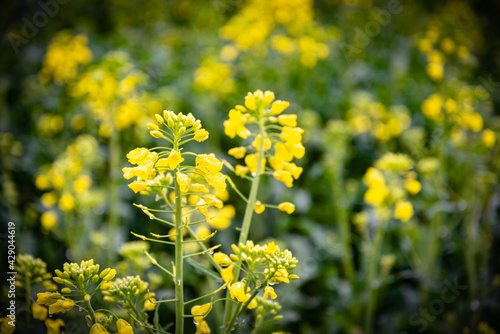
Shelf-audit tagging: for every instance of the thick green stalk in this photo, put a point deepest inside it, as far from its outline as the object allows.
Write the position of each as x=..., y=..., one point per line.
x=372, y=276
x=247, y=218
x=179, y=282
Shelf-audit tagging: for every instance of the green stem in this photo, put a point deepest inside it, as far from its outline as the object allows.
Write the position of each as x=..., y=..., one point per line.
x=179, y=260
x=247, y=218
x=373, y=277
x=88, y=306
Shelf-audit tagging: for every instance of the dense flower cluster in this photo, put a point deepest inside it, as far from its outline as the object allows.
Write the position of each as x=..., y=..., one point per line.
x=277, y=140
x=390, y=183
x=65, y=53
x=441, y=45
x=111, y=91
x=266, y=261
x=383, y=122
x=69, y=180
x=131, y=290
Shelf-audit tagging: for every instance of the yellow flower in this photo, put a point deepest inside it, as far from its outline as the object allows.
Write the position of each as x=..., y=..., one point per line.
x=47, y=298
x=124, y=327
x=6, y=326
x=251, y=161
x=98, y=329
x=208, y=163
x=199, y=188
x=183, y=181
x=137, y=155
x=82, y=183
x=67, y=202
x=222, y=259
x=286, y=207
x=61, y=305
x=282, y=153
x=253, y=304
x=48, y=220
x=149, y=304
x=431, y=108
x=54, y=326
x=280, y=276
x=278, y=107
x=284, y=177
x=269, y=292
x=412, y=186
x=403, y=211
x=202, y=231
x=288, y=120
x=203, y=328
x=237, y=291
x=42, y=182
x=137, y=186
x=211, y=200
x=217, y=181
x=276, y=164
x=291, y=135
x=227, y=274
x=201, y=135
x=271, y=248
x=488, y=138
x=237, y=152
x=473, y=121
x=174, y=159
x=435, y=71
x=49, y=199
x=200, y=311
x=39, y=312
x=241, y=171
x=250, y=102
x=448, y=45
x=297, y=150
x=235, y=125
x=222, y=217
x=376, y=196
x=258, y=207
x=293, y=169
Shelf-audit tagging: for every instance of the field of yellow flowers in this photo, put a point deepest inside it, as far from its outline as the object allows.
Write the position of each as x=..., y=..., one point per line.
x=250, y=166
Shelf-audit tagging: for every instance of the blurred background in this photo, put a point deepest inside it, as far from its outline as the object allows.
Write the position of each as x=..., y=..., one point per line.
x=80, y=80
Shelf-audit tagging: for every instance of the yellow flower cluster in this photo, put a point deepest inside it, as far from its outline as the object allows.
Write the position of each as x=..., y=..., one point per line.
x=384, y=123
x=252, y=25
x=461, y=111
x=276, y=266
x=68, y=180
x=436, y=48
x=389, y=184
x=279, y=148
x=131, y=289
x=65, y=53
x=111, y=92
x=202, y=185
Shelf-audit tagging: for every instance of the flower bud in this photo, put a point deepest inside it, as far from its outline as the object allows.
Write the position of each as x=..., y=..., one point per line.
x=156, y=134
x=159, y=119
